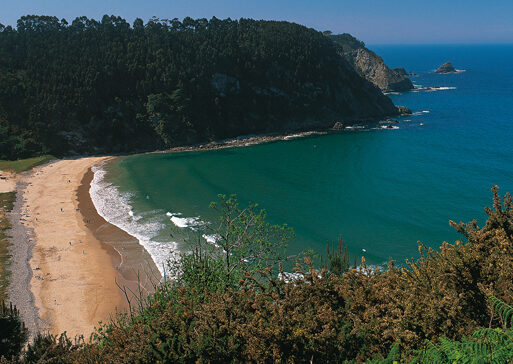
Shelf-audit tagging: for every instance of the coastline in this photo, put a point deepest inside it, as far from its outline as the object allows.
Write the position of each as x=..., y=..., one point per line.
x=245, y=141
x=255, y=139
x=65, y=272
x=137, y=270
x=43, y=282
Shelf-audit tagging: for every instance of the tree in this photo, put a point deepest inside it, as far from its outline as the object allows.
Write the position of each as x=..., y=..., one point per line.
x=13, y=333
x=247, y=240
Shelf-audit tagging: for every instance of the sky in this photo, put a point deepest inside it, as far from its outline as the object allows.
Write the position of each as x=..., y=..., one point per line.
x=373, y=21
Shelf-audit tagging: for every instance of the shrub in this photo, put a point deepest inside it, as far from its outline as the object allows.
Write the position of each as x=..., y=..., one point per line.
x=13, y=333
x=47, y=348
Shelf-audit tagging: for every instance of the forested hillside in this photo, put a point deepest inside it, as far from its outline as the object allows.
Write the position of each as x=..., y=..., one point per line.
x=106, y=86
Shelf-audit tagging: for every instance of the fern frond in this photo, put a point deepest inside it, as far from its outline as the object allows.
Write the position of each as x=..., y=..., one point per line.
x=502, y=308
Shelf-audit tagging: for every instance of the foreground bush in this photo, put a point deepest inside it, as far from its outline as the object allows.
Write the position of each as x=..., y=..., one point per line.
x=484, y=346
x=13, y=333
x=412, y=312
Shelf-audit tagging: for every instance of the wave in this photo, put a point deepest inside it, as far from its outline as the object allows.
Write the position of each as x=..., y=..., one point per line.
x=212, y=239
x=440, y=88
x=114, y=207
x=356, y=126
x=389, y=127
x=186, y=222
x=418, y=88
x=300, y=135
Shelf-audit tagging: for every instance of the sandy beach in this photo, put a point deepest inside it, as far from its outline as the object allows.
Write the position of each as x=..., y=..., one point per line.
x=7, y=181
x=78, y=259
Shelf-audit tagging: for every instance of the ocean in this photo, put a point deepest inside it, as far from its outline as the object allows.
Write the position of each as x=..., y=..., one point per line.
x=381, y=190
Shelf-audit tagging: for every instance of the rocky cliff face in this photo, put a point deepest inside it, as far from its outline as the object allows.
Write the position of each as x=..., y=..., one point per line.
x=371, y=66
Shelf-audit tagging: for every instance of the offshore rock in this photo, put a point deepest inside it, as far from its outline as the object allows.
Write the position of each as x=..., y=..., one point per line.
x=338, y=126
x=447, y=67
x=403, y=110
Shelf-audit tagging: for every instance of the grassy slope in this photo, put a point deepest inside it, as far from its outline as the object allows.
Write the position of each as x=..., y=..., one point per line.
x=24, y=164
x=6, y=205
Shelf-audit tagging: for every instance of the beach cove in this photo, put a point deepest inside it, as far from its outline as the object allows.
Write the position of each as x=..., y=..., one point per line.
x=77, y=262
x=381, y=189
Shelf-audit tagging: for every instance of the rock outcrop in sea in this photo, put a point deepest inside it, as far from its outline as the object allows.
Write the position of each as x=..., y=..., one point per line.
x=447, y=67
x=403, y=110
x=371, y=66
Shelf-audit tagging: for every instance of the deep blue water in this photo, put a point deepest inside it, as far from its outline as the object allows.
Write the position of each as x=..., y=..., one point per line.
x=381, y=190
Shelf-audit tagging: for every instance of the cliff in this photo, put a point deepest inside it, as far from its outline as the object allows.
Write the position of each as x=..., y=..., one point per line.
x=371, y=66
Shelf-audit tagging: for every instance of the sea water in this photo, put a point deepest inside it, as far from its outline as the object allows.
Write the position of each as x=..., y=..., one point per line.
x=380, y=189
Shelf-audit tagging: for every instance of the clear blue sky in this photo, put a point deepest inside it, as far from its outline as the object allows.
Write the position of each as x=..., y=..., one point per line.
x=373, y=21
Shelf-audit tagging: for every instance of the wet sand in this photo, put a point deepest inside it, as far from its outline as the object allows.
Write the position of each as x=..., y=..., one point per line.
x=138, y=272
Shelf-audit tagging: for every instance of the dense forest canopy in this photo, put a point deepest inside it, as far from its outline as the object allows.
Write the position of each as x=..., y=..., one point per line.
x=345, y=42
x=108, y=86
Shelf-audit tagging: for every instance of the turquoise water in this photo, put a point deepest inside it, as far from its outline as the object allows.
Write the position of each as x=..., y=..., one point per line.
x=381, y=190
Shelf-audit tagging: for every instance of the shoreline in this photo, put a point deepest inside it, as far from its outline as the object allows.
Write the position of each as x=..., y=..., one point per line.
x=66, y=273
x=137, y=269
x=256, y=139
x=244, y=141
x=132, y=265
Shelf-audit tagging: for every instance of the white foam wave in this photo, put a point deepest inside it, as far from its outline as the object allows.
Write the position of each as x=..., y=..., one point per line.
x=300, y=135
x=293, y=136
x=212, y=239
x=356, y=126
x=114, y=207
x=389, y=127
x=440, y=88
x=186, y=222
x=418, y=88
x=288, y=277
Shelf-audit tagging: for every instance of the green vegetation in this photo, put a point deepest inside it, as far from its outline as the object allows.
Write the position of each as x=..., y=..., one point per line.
x=23, y=165
x=13, y=333
x=104, y=86
x=346, y=42
x=6, y=205
x=484, y=346
x=450, y=305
